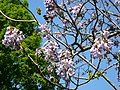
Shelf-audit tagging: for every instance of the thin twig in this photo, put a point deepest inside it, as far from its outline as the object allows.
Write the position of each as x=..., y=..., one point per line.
x=106, y=16
x=114, y=64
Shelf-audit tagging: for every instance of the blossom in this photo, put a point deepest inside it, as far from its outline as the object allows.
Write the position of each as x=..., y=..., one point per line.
x=48, y=1
x=39, y=52
x=76, y=9
x=70, y=72
x=95, y=52
x=117, y=1
x=64, y=54
x=105, y=33
x=50, y=10
x=45, y=30
x=100, y=45
x=65, y=67
x=13, y=37
x=50, y=50
x=50, y=68
x=59, y=58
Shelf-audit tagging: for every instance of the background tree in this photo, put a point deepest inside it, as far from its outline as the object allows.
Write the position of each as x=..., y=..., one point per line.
x=16, y=69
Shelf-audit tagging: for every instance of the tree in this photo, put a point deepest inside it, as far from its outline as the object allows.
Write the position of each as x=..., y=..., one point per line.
x=81, y=36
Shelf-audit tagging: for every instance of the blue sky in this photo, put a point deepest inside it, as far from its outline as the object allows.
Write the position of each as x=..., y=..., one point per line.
x=100, y=84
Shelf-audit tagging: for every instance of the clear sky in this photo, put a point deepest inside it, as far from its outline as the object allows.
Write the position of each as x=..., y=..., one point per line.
x=100, y=84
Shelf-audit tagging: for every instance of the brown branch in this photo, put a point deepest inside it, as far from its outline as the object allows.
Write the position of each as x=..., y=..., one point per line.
x=97, y=16
x=106, y=16
x=115, y=6
x=91, y=78
x=114, y=64
x=94, y=67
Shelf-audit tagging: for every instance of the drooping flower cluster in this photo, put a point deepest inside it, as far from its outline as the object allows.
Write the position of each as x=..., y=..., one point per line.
x=101, y=45
x=61, y=59
x=50, y=10
x=13, y=37
x=65, y=67
x=50, y=51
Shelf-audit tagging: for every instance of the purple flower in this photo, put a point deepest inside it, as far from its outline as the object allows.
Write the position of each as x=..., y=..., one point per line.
x=105, y=33
x=95, y=52
x=65, y=67
x=45, y=31
x=60, y=58
x=76, y=9
x=101, y=45
x=50, y=50
x=13, y=37
x=50, y=10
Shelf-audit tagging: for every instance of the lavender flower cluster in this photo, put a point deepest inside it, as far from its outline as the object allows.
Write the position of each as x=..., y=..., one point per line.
x=101, y=45
x=44, y=30
x=65, y=66
x=13, y=37
x=50, y=51
x=62, y=59
x=77, y=9
x=50, y=10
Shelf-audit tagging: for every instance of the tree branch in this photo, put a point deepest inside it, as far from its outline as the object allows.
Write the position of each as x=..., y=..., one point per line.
x=15, y=19
x=94, y=67
x=30, y=12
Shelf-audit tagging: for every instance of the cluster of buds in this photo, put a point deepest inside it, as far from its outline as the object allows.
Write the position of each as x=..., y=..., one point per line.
x=13, y=37
x=50, y=10
x=44, y=30
x=101, y=45
x=65, y=66
x=77, y=9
